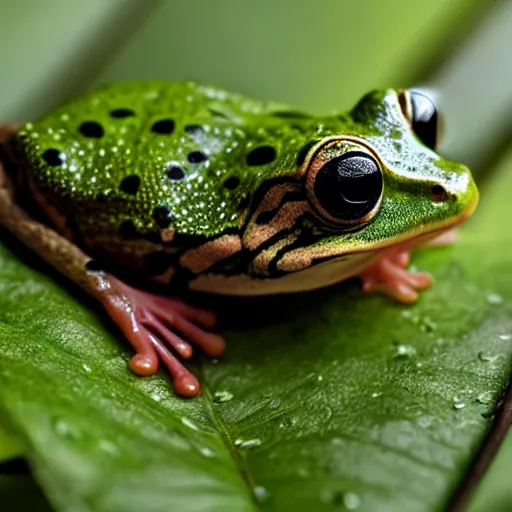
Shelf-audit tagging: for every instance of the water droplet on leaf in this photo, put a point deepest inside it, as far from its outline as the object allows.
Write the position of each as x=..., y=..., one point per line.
x=494, y=298
x=487, y=359
x=221, y=397
x=189, y=423
x=484, y=398
x=260, y=493
x=249, y=443
x=351, y=501
x=107, y=446
x=457, y=404
x=207, y=452
x=404, y=351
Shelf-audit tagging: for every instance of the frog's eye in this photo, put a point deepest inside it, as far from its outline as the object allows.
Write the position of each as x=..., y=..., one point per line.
x=421, y=112
x=347, y=189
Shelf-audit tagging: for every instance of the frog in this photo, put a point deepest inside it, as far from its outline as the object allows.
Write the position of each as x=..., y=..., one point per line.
x=196, y=188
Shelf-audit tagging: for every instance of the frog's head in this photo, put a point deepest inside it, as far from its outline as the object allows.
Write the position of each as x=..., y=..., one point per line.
x=374, y=182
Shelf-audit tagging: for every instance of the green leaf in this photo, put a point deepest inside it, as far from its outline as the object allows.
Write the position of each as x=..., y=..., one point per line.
x=324, y=400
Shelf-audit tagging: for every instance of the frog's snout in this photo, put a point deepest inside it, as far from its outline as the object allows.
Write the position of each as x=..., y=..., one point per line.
x=459, y=190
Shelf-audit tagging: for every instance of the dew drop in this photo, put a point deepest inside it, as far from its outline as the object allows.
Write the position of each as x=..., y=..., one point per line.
x=107, y=446
x=457, y=404
x=86, y=368
x=494, y=298
x=404, y=351
x=249, y=443
x=207, y=452
x=487, y=359
x=275, y=403
x=505, y=337
x=157, y=396
x=189, y=423
x=221, y=397
x=484, y=398
x=351, y=501
x=260, y=493
x=62, y=428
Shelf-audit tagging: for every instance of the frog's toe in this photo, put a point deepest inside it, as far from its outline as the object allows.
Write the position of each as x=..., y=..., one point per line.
x=388, y=275
x=184, y=382
x=164, y=315
x=154, y=325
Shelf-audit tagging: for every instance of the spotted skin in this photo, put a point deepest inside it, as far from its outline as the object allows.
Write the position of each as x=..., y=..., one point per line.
x=158, y=176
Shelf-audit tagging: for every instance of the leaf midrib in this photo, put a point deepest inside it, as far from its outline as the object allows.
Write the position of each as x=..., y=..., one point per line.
x=221, y=428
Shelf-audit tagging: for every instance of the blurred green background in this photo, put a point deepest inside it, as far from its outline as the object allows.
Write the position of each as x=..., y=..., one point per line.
x=320, y=55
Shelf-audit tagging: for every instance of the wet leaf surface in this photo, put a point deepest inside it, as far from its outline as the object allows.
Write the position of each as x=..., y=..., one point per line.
x=324, y=401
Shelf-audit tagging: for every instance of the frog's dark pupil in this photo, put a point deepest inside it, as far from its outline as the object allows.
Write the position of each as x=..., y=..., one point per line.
x=261, y=156
x=163, y=127
x=162, y=216
x=91, y=129
x=130, y=184
x=53, y=157
x=232, y=183
x=424, y=119
x=196, y=157
x=349, y=186
x=175, y=172
x=122, y=112
x=127, y=229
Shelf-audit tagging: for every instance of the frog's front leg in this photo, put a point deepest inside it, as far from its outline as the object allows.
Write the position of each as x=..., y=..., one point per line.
x=146, y=320
x=388, y=274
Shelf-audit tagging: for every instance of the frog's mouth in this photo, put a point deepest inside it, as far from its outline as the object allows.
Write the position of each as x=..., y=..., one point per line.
x=302, y=257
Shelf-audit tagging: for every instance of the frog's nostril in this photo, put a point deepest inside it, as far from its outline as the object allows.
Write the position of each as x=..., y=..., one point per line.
x=439, y=194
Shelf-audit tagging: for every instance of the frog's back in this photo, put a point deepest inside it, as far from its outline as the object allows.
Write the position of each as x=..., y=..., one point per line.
x=134, y=165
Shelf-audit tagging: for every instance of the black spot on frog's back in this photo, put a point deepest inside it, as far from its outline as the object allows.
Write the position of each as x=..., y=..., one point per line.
x=91, y=129
x=130, y=184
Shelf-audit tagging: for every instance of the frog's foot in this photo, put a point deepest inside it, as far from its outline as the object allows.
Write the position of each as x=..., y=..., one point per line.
x=388, y=274
x=149, y=323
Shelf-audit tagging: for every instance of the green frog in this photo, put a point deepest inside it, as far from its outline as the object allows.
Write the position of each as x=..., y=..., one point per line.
x=201, y=189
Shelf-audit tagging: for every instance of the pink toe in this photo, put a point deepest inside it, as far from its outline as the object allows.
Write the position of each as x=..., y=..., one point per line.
x=186, y=385
x=420, y=280
x=143, y=365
